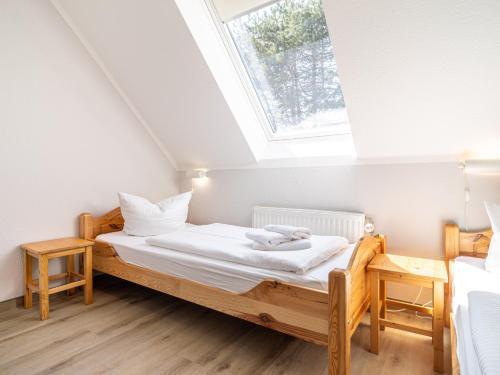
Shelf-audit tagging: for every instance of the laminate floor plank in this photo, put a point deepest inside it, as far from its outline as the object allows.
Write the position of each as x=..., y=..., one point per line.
x=132, y=330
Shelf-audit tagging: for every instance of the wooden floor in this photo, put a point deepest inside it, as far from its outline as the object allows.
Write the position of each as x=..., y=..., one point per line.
x=133, y=330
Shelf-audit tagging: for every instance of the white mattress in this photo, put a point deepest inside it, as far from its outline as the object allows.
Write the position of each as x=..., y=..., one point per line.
x=469, y=275
x=234, y=277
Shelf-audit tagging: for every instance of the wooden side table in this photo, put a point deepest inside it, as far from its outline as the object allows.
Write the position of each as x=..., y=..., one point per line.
x=427, y=273
x=45, y=250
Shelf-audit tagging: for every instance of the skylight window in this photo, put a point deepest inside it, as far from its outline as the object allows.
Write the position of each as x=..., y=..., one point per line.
x=287, y=63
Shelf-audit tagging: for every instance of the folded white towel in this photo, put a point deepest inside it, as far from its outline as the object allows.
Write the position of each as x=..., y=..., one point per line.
x=294, y=233
x=285, y=246
x=266, y=238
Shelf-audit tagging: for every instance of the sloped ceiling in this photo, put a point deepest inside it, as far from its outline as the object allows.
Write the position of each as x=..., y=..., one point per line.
x=421, y=79
x=149, y=51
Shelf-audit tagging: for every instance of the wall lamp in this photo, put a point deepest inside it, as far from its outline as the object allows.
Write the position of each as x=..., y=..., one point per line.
x=481, y=167
x=196, y=173
x=198, y=177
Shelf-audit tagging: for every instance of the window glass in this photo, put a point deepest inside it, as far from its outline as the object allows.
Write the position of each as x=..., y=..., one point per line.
x=287, y=53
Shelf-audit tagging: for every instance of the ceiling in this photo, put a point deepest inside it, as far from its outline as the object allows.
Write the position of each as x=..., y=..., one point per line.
x=420, y=79
x=150, y=53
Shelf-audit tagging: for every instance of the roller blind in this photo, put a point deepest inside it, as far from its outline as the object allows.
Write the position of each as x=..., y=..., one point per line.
x=231, y=9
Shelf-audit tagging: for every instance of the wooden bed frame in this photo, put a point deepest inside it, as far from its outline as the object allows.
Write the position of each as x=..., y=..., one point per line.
x=326, y=318
x=473, y=244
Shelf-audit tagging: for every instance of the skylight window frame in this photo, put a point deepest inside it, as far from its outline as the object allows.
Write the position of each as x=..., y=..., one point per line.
x=336, y=129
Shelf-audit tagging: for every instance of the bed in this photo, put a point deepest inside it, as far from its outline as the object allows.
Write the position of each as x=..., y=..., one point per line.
x=323, y=306
x=466, y=253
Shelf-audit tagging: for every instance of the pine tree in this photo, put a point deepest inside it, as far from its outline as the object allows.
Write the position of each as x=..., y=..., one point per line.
x=290, y=59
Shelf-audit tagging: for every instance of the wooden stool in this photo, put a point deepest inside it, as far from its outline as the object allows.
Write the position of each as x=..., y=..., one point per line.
x=45, y=250
x=422, y=272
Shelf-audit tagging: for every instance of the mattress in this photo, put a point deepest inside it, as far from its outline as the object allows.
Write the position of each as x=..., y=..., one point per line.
x=233, y=277
x=469, y=275
x=484, y=313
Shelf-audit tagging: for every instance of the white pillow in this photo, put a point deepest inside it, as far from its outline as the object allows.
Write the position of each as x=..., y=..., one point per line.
x=143, y=218
x=492, y=263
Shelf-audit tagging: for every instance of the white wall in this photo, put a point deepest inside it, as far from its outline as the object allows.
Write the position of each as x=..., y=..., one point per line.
x=68, y=142
x=408, y=202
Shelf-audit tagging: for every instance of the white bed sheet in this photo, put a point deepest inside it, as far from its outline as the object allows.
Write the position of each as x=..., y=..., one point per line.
x=233, y=277
x=469, y=275
x=484, y=313
x=466, y=353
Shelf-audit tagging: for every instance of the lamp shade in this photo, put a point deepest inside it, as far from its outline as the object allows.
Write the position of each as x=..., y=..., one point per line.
x=482, y=167
x=196, y=173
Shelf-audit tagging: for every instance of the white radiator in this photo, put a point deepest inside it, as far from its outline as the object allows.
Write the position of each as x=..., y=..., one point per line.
x=346, y=224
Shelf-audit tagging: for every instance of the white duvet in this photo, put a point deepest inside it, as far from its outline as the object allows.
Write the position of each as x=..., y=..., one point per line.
x=228, y=243
x=484, y=311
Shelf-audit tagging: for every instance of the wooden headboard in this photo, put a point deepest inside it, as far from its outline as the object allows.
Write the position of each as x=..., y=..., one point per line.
x=91, y=227
x=473, y=244
x=456, y=243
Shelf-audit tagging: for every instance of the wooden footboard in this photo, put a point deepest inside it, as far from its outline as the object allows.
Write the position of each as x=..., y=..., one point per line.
x=323, y=317
x=349, y=296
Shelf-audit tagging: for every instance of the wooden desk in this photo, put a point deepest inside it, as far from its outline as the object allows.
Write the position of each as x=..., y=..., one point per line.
x=422, y=272
x=45, y=250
